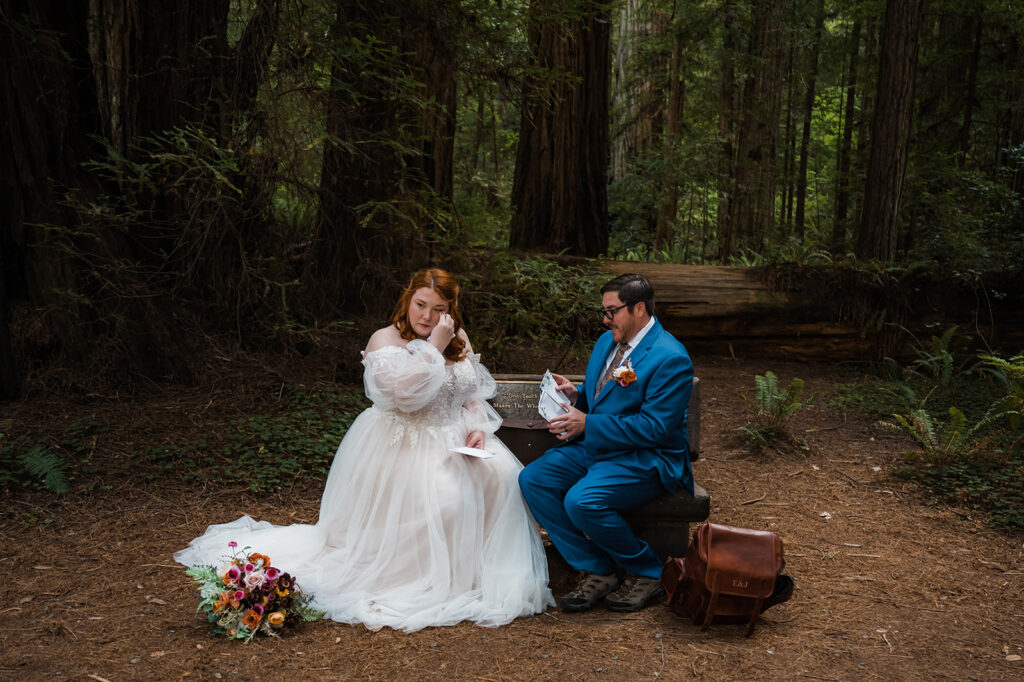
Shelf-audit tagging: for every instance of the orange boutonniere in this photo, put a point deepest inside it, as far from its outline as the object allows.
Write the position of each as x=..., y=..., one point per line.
x=624, y=374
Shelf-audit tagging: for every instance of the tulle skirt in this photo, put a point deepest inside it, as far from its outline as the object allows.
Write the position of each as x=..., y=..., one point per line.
x=410, y=535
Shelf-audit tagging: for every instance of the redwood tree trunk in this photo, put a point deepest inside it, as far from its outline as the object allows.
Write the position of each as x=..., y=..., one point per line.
x=390, y=150
x=753, y=209
x=727, y=133
x=559, y=195
x=665, y=232
x=10, y=385
x=805, y=139
x=846, y=146
x=890, y=132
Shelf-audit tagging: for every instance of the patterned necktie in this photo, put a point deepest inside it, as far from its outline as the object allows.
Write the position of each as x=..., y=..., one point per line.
x=616, y=361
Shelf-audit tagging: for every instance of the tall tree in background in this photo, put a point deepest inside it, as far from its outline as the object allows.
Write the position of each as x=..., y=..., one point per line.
x=559, y=194
x=845, y=152
x=639, y=74
x=752, y=212
x=727, y=109
x=808, y=115
x=10, y=382
x=389, y=122
x=145, y=79
x=890, y=131
x=669, y=198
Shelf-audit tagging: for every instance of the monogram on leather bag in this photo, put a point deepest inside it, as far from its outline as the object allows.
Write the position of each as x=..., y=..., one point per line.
x=729, y=575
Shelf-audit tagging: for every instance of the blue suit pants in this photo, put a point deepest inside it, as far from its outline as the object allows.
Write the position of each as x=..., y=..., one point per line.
x=578, y=502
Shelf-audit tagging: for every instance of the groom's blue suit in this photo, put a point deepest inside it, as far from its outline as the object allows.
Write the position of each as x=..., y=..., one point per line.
x=635, y=448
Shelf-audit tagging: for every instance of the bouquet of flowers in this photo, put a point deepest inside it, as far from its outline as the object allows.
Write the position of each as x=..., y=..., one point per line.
x=247, y=595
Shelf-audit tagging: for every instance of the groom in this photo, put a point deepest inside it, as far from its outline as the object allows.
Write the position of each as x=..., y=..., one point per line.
x=624, y=443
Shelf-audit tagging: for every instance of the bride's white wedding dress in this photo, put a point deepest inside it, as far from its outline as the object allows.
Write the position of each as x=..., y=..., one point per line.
x=410, y=534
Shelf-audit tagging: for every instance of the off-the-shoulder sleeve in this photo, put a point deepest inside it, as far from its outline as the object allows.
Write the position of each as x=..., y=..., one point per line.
x=477, y=413
x=405, y=379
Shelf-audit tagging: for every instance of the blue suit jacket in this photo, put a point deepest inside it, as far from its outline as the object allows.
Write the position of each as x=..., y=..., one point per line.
x=642, y=424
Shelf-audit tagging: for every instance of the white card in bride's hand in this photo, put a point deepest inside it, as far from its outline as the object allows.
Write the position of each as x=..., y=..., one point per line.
x=473, y=452
x=549, y=405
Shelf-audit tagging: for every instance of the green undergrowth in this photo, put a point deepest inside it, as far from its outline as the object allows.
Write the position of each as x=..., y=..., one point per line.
x=994, y=486
x=47, y=462
x=961, y=415
x=290, y=438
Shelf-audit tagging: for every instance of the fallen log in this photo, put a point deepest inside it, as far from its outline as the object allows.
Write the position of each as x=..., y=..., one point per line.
x=750, y=311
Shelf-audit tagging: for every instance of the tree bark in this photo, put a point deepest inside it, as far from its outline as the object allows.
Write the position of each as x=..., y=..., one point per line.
x=890, y=132
x=390, y=120
x=667, y=206
x=805, y=139
x=846, y=145
x=727, y=132
x=789, y=150
x=753, y=210
x=10, y=384
x=971, y=91
x=639, y=76
x=559, y=193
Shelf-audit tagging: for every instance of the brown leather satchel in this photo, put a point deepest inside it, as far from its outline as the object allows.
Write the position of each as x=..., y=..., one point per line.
x=729, y=575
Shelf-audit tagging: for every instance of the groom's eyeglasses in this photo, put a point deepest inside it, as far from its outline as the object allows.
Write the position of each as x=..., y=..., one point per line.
x=609, y=313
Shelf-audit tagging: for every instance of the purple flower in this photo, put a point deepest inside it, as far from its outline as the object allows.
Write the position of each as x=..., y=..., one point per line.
x=258, y=608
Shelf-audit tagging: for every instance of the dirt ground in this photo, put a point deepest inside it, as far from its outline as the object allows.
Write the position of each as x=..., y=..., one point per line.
x=887, y=587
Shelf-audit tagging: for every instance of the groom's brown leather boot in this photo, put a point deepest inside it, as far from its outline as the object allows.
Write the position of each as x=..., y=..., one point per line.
x=589, y=590
x=634, y=593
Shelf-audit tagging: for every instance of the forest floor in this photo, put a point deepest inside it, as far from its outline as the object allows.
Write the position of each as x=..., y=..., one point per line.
x=888, y=586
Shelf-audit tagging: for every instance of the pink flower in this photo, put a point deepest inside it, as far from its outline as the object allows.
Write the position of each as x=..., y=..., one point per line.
x=249, y=568
x=232, y=544
x=239, y=595
x=272, y=573
x=255, y=579
x=258, y=608
x=234, y=573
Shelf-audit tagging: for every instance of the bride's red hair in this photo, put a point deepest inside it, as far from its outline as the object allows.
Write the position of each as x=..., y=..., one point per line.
x=444, y=284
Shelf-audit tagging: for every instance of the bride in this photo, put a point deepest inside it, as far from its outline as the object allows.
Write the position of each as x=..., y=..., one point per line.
x=410, y=533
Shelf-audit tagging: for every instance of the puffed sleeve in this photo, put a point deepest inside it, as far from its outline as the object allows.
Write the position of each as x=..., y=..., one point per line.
x=405, y=379
x=477, y=413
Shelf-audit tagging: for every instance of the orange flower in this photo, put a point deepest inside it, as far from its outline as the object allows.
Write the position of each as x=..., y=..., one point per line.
x=222, y=600
x=280, y=592
x=624, y=374
x=251, y=619
x=276, y=619
x=256, y=557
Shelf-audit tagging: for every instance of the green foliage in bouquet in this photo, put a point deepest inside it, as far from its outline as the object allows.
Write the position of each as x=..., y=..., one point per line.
x=247, y=595
x=773, y=408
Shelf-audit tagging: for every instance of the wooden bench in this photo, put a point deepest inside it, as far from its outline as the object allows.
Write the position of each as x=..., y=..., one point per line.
x=663, y=522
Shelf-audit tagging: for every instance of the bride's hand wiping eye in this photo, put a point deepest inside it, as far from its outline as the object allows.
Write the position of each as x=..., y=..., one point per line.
x=442, y=334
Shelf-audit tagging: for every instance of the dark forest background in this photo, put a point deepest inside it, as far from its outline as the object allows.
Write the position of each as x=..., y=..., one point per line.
x=228, y=174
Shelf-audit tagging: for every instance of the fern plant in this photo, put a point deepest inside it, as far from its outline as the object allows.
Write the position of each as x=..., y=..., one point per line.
x=942, y=442
x=1011, y=374
x=773, y=408
x=26, y=463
